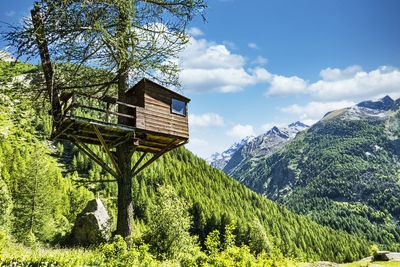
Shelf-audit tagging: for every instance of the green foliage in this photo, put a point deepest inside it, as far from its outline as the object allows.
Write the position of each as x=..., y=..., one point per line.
x=203, y=200
x=231, y=255
x=6, y=205
x=35, y=197
x=4, y=240
x=169, y=224
x=9, y=70
x=259, y=241
x=374, y=250
x=326, y=174
x=229, y=236
x=213, y=243
x=218, y=199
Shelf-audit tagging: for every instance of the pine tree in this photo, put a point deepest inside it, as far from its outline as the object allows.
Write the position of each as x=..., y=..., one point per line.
x=125, y=38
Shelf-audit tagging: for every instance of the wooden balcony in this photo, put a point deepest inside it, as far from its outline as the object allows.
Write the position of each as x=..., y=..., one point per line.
x=92, y=120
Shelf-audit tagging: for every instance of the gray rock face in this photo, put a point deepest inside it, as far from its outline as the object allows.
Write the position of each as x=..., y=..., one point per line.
x=264, y=145
x=219, y=160
x=385, y=103
x=92, y=225
x=373, y=111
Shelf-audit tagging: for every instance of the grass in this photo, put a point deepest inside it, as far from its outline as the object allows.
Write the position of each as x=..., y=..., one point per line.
x=21, y=255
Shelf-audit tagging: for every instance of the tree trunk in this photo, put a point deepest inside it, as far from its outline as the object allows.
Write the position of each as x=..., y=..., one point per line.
x=124, y=155
x=46, y=64
x=125, y=209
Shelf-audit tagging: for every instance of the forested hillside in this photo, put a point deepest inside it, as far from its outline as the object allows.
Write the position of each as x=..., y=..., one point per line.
x=343, y=172
x=43, y=189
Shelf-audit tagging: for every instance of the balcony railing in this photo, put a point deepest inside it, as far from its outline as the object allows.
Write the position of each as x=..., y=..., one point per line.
x=104, y=109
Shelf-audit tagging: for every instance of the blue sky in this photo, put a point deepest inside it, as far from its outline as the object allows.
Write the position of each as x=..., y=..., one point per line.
x=259, y=63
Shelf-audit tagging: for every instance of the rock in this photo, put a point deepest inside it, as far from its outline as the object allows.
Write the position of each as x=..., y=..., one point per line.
x=385, y=103
x=381, y=256
x=92, y=225
x=322, y=264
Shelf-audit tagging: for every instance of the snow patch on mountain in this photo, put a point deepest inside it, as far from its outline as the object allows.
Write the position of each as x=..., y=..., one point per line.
x=251, y=146
x=5, y=56
x=219, y=160
x=371, y=110
x=264, y=145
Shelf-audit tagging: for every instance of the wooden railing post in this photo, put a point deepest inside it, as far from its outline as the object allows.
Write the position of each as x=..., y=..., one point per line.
x=107, y=112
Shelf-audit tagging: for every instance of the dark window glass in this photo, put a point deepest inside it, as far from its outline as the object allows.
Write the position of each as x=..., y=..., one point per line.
x=178, y=107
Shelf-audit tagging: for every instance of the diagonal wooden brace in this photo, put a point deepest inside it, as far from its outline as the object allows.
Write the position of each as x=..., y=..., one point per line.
x=138, y=162
x=93, y=156
x=156, y=156
x=106, y=149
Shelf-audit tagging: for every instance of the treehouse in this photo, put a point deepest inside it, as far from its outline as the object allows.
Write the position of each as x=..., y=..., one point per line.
x=153, y=120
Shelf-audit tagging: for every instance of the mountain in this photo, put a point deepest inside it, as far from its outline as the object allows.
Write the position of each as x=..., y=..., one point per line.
x=219, y=160
x=263, y=145
x=342, y=172
x=5, y=56
x=29, y=172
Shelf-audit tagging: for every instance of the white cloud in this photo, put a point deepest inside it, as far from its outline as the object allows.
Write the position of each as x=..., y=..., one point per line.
x=281, y=85
x=353, y=83
x=253, y=45
x=260, y=60
x=208, y=66
x=204, y=120
x=194, y=31
x=198, y=146
x=336, y=74
x=241, y=131
x=230, y=45
x=202, y=54
x=314, y=111
x=196, y=142
x=223, y=80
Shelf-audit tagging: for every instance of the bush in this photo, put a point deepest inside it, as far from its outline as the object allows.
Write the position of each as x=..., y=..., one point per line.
x=259, y=241
x=169, y=225
x=117, y=254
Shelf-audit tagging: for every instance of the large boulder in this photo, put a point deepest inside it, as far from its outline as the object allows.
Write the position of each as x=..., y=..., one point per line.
x=92, y=225
x=381, y=256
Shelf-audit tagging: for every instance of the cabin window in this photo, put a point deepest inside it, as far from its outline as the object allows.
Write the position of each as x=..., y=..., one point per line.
x=178, y=107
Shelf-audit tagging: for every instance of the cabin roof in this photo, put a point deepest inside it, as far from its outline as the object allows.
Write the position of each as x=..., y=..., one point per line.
x=145, y=80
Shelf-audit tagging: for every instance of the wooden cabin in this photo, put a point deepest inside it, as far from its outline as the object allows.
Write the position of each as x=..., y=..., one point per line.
x=159, y=110
x=158, y=119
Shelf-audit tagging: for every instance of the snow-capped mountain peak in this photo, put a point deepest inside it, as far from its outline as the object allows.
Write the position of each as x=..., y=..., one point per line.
x=219, y=160
x=273, y=139
x=385, y=103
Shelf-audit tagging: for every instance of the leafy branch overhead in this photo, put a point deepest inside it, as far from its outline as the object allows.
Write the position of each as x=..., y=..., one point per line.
x=88, y=33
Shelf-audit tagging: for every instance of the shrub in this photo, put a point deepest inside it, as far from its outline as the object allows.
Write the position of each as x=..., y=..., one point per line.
x=169, y=225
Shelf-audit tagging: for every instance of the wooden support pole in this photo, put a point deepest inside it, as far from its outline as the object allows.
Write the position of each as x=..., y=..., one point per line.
x=93, y=156
x=138, y=162
x=106, y=149
x=156, y=156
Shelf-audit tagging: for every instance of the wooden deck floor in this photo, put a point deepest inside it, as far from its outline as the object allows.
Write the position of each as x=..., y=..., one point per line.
x=83, y=130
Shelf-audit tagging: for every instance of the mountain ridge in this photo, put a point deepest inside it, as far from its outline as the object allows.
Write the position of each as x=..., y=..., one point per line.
x=345, y=163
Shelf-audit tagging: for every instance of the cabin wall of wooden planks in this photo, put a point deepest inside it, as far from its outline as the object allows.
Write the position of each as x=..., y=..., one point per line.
x=156, y=116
